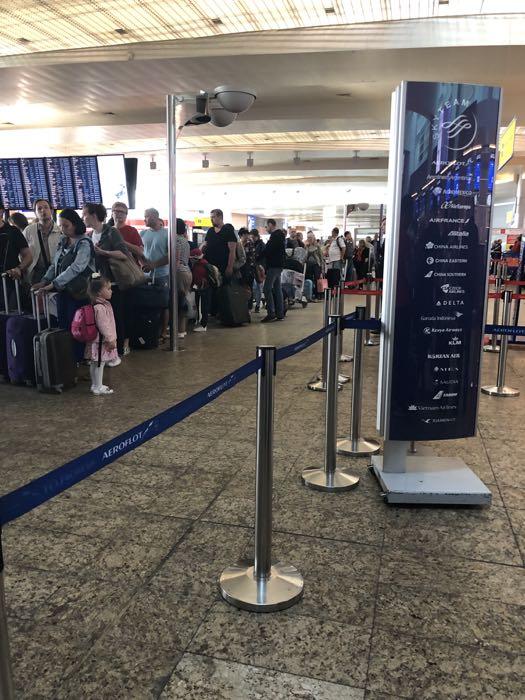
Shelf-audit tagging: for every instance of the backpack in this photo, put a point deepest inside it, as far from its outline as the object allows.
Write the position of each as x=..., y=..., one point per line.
x=83, y=327
x=214, y=276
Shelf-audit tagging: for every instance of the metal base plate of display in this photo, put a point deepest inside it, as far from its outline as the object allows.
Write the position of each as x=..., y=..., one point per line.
x=432, y=480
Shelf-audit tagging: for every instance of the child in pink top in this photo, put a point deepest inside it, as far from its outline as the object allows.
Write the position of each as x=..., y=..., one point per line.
x=104, y=348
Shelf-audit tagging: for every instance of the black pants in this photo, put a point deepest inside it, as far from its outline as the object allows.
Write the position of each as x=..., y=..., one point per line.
x=121, y=312
x=203, y=300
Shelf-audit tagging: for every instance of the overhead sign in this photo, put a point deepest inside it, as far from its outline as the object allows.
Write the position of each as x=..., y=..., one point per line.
x=506, y=144
x=202, y=222
x=437, y=256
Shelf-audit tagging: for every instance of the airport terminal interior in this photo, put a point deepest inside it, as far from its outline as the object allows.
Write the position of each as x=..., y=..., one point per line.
x=389, y=131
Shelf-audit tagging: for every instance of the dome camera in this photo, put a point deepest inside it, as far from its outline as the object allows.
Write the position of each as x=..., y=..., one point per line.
x=235, y=100
x=363, y=206
x=222, y=117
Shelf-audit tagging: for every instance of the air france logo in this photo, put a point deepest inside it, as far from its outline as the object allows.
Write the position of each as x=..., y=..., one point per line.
x=462, y=131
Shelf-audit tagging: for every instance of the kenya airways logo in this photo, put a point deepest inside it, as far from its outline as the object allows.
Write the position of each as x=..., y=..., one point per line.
x=462, y=131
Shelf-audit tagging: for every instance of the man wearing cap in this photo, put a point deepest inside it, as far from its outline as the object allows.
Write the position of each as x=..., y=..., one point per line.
x=43, y=237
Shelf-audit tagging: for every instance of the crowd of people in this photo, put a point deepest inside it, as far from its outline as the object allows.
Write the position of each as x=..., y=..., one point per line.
x=125, y=274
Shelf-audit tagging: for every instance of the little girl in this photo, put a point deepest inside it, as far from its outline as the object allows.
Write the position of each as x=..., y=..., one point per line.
x=104, y=348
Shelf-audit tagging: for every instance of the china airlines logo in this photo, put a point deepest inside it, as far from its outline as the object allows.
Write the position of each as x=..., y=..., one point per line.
x=462, y=131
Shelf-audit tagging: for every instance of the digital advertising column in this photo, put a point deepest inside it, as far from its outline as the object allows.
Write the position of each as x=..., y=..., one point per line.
x=441, y=179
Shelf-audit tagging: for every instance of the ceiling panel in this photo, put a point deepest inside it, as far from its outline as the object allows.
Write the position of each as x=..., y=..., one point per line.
x=53, y=25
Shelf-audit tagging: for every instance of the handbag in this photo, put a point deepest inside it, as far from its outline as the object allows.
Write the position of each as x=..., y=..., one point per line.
x=126, y=272
x=322, y=284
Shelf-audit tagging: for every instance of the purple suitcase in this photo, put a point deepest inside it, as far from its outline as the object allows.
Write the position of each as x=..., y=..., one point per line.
x=20, y=331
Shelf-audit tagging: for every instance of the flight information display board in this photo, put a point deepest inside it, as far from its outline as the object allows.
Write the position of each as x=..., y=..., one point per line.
x=11, y=186
x=86, y=180
x=34, y=179
x=61, y=185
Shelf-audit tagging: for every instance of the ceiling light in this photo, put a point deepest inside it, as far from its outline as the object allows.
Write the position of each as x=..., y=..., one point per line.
x=296, y=159
x=235, y=100
x=216, y=20
x=23, y=40
x=205, y=161
x=249, y=160
x=109, y=114
x=343, y=94
x=443, y=2
x=222, y=117
x=121, y=31
x=329, y=10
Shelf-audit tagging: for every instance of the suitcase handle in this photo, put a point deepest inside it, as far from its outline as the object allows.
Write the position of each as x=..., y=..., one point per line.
x=17, y=292
x=35, y=309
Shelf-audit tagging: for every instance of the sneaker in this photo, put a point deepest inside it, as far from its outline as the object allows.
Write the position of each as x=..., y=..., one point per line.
x=280, y=318
x=199, y=329
x=126, y=351
x=181, y=335
x=114, y=363
x=102, y=390
x=268, y=319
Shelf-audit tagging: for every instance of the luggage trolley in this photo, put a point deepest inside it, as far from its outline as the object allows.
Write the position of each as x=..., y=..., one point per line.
x=293, y=282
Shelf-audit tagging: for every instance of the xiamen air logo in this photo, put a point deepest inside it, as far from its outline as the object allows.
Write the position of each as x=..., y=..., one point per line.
x=460, y=132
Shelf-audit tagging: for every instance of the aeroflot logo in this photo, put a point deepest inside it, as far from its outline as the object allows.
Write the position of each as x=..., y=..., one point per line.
x=132, y=440
x=462, y=131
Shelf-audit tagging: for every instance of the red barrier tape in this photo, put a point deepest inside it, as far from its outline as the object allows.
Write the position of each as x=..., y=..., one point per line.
x=364, y=292
x=498, y=295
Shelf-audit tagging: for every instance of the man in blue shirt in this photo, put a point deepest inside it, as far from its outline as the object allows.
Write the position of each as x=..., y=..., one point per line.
x=155, y=239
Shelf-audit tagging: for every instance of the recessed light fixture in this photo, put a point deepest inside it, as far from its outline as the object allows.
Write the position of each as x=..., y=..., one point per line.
x=329, y=10
x=216, y=20
x=7, y=124
x=443, y=2
x=109, y=114
x=121, y=31
x=343, y=94
x=23, y=40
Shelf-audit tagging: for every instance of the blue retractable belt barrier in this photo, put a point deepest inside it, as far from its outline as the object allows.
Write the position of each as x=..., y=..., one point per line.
x=27, y=497
x=289, y=350
x=371, y=324
x=505, y=330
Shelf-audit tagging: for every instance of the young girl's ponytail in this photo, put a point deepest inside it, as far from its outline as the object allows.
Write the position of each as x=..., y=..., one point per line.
x=96, y=283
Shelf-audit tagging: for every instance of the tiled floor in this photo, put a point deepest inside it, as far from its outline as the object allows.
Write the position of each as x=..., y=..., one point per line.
x=112, y=587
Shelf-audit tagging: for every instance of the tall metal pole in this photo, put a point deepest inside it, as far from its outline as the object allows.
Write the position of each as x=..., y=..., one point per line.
x=493, y=347
x=341, y=312
x=355, y=445
x=369, y=341
x=320, y=383
x=330, y=478
x=6, y=675
x=171, y=126
x=263, y=587
x=500, y=389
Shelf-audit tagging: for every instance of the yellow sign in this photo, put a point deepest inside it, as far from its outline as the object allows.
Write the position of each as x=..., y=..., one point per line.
x=506, y=144
x=509, y=217
x=202, y=222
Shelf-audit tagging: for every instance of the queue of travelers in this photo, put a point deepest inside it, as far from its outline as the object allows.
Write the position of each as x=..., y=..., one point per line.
x=125, y=274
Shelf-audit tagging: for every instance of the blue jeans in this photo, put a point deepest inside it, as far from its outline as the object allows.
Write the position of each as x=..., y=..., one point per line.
x=273, y=292
x=257, y=292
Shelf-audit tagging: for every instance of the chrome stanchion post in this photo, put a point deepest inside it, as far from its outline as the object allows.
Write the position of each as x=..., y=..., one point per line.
x=377, y=306
x=263, y=586
x=500, y=389
x=320, y=383
x=356, y=445
x=341, y=312
x=330, y=478
x=369, y=341
x=336, y=306
x=6, y=674
x=493, y=347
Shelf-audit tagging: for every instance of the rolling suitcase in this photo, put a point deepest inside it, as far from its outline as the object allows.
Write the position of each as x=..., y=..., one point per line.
x=20, y=331
x=233, y=305
x=55, y=366
x=5, y=315
x=145, y=329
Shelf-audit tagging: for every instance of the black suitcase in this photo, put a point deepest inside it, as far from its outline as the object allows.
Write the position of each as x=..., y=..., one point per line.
x=233, y=304
x=55, y=366
x=145, y=329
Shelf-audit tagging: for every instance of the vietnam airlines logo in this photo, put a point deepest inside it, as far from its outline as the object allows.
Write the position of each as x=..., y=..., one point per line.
x=461, y=131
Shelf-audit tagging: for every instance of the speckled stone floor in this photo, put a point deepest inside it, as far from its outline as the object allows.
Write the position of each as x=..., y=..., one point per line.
x=112, y=587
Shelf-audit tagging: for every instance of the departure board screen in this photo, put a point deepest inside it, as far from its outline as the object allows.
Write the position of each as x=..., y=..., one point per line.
x=86, y=180
x=61, y=184
x=34, y=180
x=11, y=186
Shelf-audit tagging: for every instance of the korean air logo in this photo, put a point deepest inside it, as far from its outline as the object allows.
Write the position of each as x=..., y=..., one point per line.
x=461, y=131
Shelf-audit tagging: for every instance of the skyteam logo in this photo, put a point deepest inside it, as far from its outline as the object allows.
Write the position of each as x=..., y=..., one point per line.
x=460, y=132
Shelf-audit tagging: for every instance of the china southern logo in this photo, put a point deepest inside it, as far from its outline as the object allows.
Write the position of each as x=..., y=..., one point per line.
x=462, y=131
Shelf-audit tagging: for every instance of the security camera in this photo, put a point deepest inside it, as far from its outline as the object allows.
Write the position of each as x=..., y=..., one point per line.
x=296, y=159
x=201, y=115
x=234, y=99
x=205, y=161
x=249, y=160
x=153, y=164
x=363, y=206
x=222, y=117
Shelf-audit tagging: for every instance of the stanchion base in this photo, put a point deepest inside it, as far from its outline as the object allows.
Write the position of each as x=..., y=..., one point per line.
x=318, y=479
x=489, y=348
x=359, y=448
x=282, y=589
x=505, y=391
x=321, y=386
x=371, y=343
x=346, y=358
